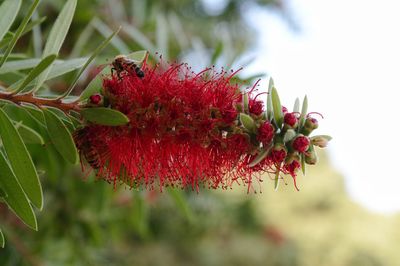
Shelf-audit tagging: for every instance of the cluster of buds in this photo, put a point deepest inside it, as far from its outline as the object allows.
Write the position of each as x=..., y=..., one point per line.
x=191, y=129
x=281, y=139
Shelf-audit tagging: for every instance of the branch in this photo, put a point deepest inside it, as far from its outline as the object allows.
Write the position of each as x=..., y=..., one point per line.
x=40, y=102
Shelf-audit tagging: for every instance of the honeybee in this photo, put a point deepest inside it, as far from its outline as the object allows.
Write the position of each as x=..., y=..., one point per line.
x=86, y=150
x=122, y=63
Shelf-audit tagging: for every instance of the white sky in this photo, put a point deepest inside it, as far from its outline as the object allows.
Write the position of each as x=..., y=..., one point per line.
x=347, y=60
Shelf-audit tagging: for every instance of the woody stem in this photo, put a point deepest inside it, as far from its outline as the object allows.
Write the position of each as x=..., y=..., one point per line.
x=40, y=102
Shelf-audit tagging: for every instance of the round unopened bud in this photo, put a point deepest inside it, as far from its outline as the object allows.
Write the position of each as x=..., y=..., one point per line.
x=265, y=133
x=95, y=99
x=309, y=125
x=284, y=110
x=311, y=157
x=301, y=143
x=291, y=120
x=278, y=153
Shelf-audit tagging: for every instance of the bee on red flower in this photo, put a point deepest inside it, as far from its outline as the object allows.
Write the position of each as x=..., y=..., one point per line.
x=122, y=63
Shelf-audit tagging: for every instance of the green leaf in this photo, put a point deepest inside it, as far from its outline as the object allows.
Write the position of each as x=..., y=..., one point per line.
x=162, y=34
x=303, y=163
x=217, y=52
x=6, y=40
x=277, y=107
x=138, y=56
x=16, y=65
x=296, y=107
x=44, y=64
x=181, y=203
x=94, y=86
x=36, y=114
x=16, y=198
x=2, y=241
x=8, y=12
x=20, y=160
x=269, y=99
x=246, y=102
x=138, y=37
x=32, y=24
x=82, y=40
x=57, y=36
x=29, y=135
x=60, y=137
x=105, y=116
x=261, y=156
x=303, y=112
x=247, y=122
x=62, y=67
x=289, y=135
x=276, y=184
x=19, y=31
x=90, y=59
x=104, y=30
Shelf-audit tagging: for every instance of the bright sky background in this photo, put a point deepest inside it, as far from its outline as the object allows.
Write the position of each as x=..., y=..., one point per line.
x=347, y=60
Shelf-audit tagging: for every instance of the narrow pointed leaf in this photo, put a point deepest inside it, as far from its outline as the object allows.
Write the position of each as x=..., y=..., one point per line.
x=42, y=66
x=60, y=137
x=90, y=59
x=94, y=86
x=62, y=67
x=104, y=30
x=269, y=99
x=57, y=36
x=303, y=164
x=8, y=12
x=16, y=198
x=105, y=116
x=29, y=135
x=181, y=203
x=138, y=56
x=6, y=40
x=303, y=112
x=17, y=65
x=261, y=156
x=276, y=185
x=247, y=122
x=277, y=107
x=296, y=107
x=2, y=240
x=246, y=102
x=20, y=160
x=138, y=37
x=289, y=135
x=19, y=31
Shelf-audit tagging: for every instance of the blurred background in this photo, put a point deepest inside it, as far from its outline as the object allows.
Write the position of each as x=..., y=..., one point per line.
x=342, y=54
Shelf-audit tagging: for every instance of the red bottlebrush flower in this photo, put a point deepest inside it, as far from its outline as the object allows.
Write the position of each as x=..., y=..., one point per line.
x=256, y=107
x=181, y=131
x=278, y=154
x=95, y=99
x=290, y=119
x=301, y=143
x=292, y=169
x=266, y=133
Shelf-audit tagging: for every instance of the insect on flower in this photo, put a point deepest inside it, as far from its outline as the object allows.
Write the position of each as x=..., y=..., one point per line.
x=122, y=63
x=87, y=150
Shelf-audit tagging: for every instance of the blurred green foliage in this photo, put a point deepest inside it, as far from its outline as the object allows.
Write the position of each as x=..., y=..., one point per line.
x=87, y=222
